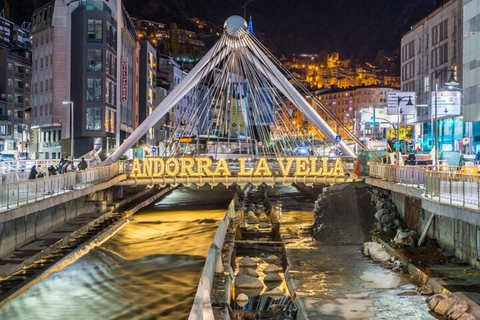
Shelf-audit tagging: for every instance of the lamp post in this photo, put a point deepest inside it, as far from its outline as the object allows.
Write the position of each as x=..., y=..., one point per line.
x=453, y=83
x=71, y=126
x=409, y=103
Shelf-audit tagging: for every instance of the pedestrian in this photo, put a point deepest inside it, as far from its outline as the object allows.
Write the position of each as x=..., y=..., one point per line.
x=71, y=167
x=82, y=165
x=61, y=164
x=52, y=170
x=33, y=173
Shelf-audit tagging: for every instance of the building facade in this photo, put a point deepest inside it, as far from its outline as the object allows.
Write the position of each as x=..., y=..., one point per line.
x=15, y=87
x=147, y=87
x=429, y=51
x=471, y=69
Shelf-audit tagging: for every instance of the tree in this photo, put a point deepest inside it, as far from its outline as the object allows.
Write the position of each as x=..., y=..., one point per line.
x=173, y=40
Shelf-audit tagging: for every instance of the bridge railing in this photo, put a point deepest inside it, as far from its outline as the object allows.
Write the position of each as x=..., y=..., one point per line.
x=449, y=184
x=28, y=191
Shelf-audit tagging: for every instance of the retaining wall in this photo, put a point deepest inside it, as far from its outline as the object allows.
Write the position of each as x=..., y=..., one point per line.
x=456, y=229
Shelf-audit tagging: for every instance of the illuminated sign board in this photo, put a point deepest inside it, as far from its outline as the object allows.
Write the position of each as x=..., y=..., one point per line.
x=124, y=79
x=206, y=167
x=393, y=104
x=448, y=103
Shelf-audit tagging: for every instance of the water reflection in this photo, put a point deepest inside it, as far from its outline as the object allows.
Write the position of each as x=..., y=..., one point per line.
x=148, y=270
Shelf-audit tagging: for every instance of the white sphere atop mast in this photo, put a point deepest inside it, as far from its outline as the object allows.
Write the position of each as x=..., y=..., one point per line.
x=235, y=26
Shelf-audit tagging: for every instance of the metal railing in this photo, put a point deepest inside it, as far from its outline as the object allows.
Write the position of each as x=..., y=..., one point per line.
x=201, y=308
x=27, y=191
x=458, y=186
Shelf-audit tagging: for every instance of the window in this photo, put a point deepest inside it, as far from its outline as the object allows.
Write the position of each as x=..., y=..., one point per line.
x=94, y=60
x=109, y=120
x=94, y=119
x=94, y=89
x=95, y=33
x=10, y=66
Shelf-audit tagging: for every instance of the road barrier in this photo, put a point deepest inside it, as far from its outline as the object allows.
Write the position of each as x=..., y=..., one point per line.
x=449, y=184
x=28, y=191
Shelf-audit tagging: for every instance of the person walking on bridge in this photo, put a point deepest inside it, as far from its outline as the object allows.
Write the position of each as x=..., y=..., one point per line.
x=33, y=173
x=82, y=165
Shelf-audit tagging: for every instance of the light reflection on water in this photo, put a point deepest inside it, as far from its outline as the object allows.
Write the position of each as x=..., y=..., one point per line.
x=148, y=270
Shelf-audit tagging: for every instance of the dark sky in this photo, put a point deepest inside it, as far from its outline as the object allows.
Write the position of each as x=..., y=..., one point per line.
x=351, y=27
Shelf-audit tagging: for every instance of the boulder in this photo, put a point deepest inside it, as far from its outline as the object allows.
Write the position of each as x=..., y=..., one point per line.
x=242, y=300
x=444, y=305
x=264, y=218
x=273, y=259
x=247, y=282
x=380, y=213
x=247, y=262
x=457, y=310
x=271, y=268
x=251, y=218
x=467, y=316
x=379, y=255
x=263, y=225
x=248, y=272
x=273, y=277
x=368, y=245
x=435, y=299
x=379, y=205
x=388, y=218
x=275, y=294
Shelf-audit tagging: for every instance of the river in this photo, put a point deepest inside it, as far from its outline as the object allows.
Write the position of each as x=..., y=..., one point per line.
x=148, y=270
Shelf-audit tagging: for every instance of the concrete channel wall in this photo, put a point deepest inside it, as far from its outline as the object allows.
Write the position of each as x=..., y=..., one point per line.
x=21, y=225
x=456, y=229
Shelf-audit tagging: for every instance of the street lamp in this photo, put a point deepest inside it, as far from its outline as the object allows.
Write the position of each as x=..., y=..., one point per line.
x=409, y=103
x=451, y=84
x=71, y=126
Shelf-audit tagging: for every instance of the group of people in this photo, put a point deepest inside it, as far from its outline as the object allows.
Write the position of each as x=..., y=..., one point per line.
x=64, y=166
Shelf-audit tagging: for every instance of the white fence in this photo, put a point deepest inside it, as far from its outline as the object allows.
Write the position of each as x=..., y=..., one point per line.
x=28, y=191
x=449, y=185
x=202, y=307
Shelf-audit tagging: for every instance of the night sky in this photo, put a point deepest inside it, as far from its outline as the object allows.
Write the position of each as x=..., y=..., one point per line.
x=354, y=28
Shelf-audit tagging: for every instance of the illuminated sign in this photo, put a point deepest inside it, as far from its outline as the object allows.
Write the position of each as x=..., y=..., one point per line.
x=124, y=79
x=448, y=103
x=395, y=106
x=206, y=167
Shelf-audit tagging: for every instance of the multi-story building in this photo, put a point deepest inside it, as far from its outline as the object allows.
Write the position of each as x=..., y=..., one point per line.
x=347, y=106
x=471, y=69
x=147, y=86
x=49, y=80
x=82, y=51
x=15, y=68
x=432, y=47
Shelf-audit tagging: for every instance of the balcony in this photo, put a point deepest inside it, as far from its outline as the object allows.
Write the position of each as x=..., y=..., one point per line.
x=19, y=89
x=4, y=117
x=18, y=104
x=19, y=73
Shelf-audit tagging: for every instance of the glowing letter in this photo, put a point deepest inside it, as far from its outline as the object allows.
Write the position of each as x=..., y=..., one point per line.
x=203, y=166
x=285, y=169
x=158, y=167
x=325, y=170
x=262, y=168
x=169, y=171
x=338, y=170
x=242, y=172
x=136, y=170
x=187, y=167
x=222, y=168
x=313, y=167
x=301, y=168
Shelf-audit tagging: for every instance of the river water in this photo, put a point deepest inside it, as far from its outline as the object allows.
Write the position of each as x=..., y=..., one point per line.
x=148, y=270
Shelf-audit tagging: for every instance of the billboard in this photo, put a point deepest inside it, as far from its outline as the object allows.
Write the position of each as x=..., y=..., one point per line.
x=393, y=103
x=448, y=103
x=381, y=117
x=124, y=88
